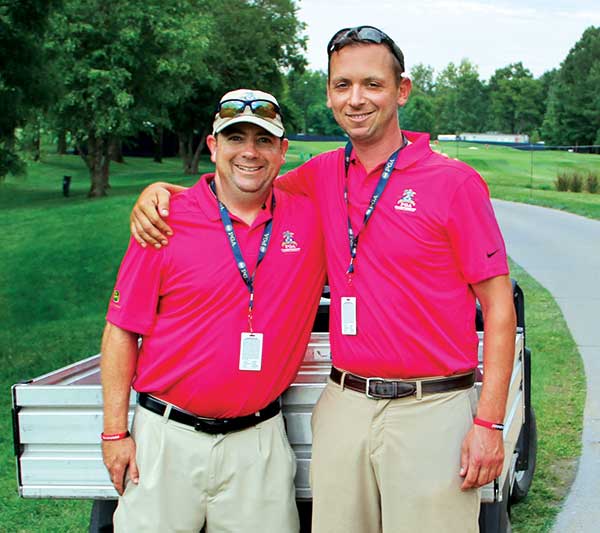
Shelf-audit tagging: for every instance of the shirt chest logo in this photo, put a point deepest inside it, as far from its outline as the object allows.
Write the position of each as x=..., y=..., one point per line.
x=407, y=201
x=289, y=245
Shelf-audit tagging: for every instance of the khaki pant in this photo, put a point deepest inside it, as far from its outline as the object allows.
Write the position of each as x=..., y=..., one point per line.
x=239, y=482
x=391, y=465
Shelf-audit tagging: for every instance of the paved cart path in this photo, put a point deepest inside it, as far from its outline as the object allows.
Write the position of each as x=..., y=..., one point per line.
x=562, y=252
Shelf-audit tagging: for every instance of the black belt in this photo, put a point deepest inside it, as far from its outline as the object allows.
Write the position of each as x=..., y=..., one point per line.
x=387, y=389
x=213, y=426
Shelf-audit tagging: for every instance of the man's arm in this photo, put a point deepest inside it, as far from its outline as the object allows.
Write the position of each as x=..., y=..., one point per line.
x=146, y=219
x=117, y=367
x=482, y=455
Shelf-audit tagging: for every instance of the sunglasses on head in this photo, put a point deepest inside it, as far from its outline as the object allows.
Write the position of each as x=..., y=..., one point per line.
x=260, y=108
x=364, y=34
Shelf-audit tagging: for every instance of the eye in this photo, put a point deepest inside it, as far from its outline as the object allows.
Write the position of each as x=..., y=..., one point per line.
x=234, y=137
x=265, y=140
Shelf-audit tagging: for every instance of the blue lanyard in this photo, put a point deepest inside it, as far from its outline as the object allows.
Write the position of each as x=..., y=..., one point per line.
x=381, y=185
x=237, y=252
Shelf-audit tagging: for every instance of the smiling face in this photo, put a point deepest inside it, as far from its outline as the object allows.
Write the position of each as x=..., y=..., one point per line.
x=247, y=160
x=364, y=94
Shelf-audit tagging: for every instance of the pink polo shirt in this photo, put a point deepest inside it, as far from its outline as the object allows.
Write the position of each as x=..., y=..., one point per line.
x=190, y=304
x=433, y=233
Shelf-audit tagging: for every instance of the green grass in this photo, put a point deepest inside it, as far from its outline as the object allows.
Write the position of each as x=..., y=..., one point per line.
x=511, y=174
x=529, y=177
x=59, y=260
x=558, y=396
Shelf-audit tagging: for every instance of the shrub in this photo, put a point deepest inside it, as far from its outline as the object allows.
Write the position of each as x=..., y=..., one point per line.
x=591, y=183
x=576, y=182
x=562, y=182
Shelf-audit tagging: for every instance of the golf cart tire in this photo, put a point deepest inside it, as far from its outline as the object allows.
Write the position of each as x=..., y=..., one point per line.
x=524, y=478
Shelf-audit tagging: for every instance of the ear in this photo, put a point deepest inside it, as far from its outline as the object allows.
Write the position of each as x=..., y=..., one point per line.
x=328, y=96
x=284, y=148
x=211, y=142
x=404, y=91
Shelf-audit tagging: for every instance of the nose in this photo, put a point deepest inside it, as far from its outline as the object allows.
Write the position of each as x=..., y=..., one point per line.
x=356, y=96
x=250, y=150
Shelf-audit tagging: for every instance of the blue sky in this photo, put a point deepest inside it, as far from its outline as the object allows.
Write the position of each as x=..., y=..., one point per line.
x=436, y=32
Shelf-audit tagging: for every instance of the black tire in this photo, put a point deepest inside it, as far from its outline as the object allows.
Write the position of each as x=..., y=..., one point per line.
x=305, y=513
x=524, y=478
x=495, y=517
x=101, y=516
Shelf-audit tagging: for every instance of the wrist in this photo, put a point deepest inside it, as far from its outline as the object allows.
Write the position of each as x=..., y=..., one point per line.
x=105, y=436
x=499, y=426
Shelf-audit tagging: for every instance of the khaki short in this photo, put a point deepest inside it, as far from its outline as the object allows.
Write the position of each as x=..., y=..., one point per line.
x=391, y=465
x=241, y=481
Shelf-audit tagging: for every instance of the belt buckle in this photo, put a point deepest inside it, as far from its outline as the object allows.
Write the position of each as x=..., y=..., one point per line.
x=391, y=389
x=210, y=426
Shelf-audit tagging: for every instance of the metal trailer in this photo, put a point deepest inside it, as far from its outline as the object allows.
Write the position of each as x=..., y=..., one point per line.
x=57, y=419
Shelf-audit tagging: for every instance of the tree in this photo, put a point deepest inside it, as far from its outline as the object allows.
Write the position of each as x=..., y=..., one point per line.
x=306, y=94
x=419, y=114
x=122, y=64
x=422, y=79
x=460, y=99
x=517, y=100
x=573, y=113
x=266, y=41
x=24, y=83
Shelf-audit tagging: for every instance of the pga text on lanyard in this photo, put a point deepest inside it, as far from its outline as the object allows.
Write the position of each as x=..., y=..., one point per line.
x=348, y=303
x=250, y=342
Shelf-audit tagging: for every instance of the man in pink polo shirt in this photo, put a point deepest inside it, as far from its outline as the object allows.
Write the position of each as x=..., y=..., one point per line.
x=224, y=315
x=399, y=443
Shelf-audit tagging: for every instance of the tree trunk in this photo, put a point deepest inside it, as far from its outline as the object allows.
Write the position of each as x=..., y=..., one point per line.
x=185, y=151
x=190, y=156
x=98, y=162
x=61, y=142
x=196, y=158
x=116, y=150
x=158, y=145
x=35, y=144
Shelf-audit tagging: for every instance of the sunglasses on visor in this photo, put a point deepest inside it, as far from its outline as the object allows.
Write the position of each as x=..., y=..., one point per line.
x=364, y=34
x=260, y=108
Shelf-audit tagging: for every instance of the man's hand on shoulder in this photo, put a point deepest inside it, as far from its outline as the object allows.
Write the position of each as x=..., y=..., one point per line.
x=482, y=457
x=146, y=219
x=119, y=457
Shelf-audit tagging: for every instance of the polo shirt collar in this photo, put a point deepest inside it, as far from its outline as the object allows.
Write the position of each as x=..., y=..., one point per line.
x=207, y=202
x=410, y=154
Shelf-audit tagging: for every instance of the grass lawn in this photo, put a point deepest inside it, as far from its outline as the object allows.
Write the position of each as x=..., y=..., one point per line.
x=60, y=257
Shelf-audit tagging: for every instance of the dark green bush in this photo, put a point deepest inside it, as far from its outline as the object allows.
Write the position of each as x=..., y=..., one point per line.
x=591, y=183
x=576, y=182
x=562, y=182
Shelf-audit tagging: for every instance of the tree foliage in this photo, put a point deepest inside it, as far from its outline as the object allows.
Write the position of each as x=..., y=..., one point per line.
x=516, y=100
x=573, y=112
x=419, y=114
x=461, y=99
x=122, y=65
x=251, y=43
x=24, y=80
x=305, y=102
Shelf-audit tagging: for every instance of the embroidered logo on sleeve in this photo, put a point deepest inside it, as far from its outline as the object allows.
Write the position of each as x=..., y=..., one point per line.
x=407, y=202
x=289, y=244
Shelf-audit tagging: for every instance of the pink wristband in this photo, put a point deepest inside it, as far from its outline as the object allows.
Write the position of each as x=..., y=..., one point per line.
x=489, y=425
x=114, y=436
